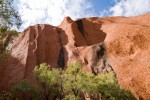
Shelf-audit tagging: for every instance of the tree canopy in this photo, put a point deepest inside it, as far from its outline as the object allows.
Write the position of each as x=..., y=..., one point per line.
x=8, y=15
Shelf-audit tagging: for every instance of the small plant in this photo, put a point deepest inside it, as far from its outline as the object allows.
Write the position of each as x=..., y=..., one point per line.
x=6, y=37
x=5, y=95
x=3, y=30
x=24, y=90
x=13, y=32
x=4, y=56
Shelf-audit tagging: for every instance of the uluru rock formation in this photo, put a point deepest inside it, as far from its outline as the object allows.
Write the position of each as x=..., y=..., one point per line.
x=121, y=44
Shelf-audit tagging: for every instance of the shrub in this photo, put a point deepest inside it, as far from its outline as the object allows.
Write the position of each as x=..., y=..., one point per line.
x=110, y=89
x=5, y=95
x=6, y=37
x=24, y=91
x=49, y=80
x=3, y=30
x=74, y=84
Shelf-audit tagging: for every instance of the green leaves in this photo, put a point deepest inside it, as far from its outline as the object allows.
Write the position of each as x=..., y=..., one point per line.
x=110, y=89
x=46, y=76
x=8, y=15
x=9, y=18
x=75, y=84
x=50, y=80
x=3, y=29
x=73, y=68
x=25, y=89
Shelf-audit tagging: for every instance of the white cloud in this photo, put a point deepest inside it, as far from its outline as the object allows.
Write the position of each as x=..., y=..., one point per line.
x=127, y=8
x=130, y=7
x=52, y=11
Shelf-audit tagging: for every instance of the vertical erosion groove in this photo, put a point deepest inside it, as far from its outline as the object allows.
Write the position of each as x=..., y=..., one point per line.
x=61, y=59
x=80, y=26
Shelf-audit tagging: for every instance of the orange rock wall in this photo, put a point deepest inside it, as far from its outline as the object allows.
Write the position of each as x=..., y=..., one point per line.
x=121, y=44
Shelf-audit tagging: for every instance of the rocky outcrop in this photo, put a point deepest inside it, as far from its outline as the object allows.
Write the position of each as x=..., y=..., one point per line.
x=120, y=44
x=56, y=46
x=128, y=51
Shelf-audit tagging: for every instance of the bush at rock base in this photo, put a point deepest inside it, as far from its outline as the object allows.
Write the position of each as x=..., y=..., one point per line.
x=71, y=84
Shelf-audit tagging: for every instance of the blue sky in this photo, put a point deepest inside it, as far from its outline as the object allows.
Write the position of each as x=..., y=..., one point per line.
x=53, y=11
x=100, y=5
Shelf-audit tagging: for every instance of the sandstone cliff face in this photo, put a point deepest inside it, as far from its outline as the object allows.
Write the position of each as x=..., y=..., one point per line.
x=128, y=49
x=121, y=44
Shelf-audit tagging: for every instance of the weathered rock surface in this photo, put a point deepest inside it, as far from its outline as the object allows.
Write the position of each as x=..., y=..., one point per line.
x=121, y=44
x=128, y=51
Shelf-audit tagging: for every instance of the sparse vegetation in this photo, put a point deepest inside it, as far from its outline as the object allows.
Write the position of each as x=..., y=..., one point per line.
x=9, y=18
x=72, y=84
x=6, y=37
x=25, y=91
x=5, y=95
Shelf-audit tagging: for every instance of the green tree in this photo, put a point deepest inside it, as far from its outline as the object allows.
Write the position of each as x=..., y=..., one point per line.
x=109, y=88
x=50, y=81
x=8, y=15
x=5, y=39
x=75, y=84
x=78, y=83
x=71, y=86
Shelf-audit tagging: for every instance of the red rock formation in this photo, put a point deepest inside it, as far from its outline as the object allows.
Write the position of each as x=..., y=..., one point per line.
x=38, y=44
x=128, y=52
x=121, y=43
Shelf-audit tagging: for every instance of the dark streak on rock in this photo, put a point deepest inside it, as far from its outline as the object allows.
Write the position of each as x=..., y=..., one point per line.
x=61, y=61
x=80, y=26
x=102, y=65
x=101, y=52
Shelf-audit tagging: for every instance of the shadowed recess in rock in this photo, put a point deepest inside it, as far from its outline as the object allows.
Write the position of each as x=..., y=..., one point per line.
x=80, y=26
x=101, y=65
x=101, y=52
x=61, y=61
